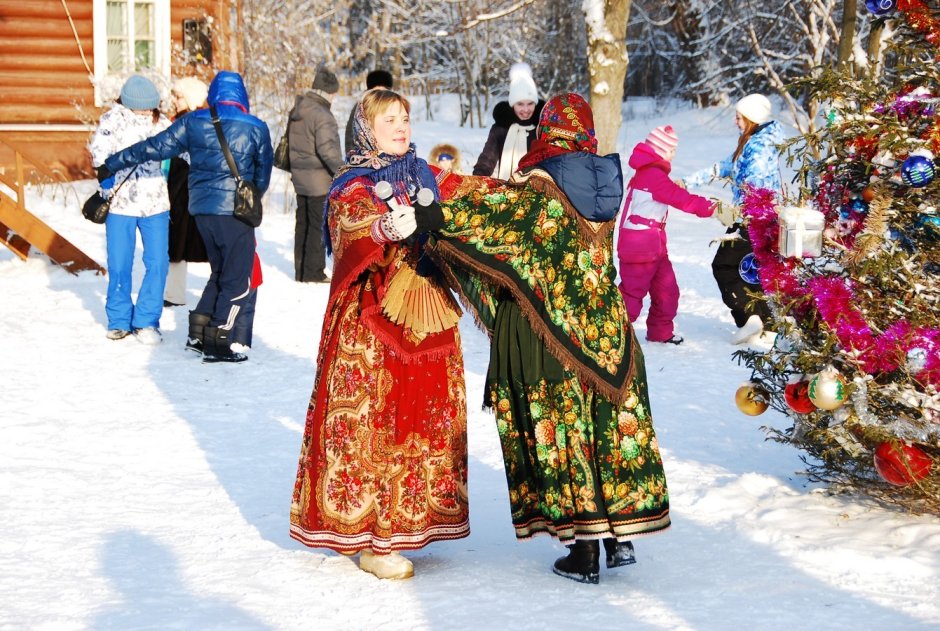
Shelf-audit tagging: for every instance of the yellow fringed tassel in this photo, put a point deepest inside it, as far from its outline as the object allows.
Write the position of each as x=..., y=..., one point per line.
x=415, y=303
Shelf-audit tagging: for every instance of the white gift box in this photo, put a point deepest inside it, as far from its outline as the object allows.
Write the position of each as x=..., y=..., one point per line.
x=800, y=232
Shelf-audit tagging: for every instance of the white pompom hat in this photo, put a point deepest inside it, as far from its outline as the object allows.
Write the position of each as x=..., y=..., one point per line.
x=756, y=108
x=521, y=84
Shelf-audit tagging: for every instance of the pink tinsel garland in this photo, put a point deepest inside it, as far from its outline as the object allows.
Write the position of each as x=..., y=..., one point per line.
x=834, y=299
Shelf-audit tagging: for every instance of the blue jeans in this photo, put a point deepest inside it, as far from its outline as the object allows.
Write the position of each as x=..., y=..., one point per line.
x=121, y=236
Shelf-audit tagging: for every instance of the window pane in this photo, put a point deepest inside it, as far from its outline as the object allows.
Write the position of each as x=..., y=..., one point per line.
x=143, y=54
x=117, y=19
x=117, y=35
x=143, y=20
x=116, y=55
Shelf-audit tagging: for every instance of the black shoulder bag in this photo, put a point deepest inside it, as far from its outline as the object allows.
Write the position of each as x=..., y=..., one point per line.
x=96, y=208
x=282, y=153
x=247, y=198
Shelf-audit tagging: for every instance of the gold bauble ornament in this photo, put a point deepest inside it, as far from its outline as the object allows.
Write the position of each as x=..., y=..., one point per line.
x=751, y=399
x=827, y=390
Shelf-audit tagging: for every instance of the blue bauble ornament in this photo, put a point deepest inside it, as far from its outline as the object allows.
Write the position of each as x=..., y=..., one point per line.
x=918, y=171
x=880, y=7
x=903, y=241
x=929, y=226
x=748, y=269
x=859, y=206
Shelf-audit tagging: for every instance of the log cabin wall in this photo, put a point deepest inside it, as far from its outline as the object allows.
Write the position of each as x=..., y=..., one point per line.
x=47, y=97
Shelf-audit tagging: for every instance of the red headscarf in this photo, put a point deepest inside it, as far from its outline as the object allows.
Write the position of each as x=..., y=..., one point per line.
x=566, y=125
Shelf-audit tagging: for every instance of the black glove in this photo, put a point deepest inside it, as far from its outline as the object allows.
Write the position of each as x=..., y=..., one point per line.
x=430, y=218
x=103, y=173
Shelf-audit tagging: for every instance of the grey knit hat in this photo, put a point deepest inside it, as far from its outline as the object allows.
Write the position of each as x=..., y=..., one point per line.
x=325, y=81
x=139, y=93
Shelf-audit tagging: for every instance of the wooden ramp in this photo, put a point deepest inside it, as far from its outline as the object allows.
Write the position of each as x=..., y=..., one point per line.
x=20, y=229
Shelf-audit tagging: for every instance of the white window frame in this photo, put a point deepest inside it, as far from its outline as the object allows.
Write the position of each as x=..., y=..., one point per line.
x=162, y=40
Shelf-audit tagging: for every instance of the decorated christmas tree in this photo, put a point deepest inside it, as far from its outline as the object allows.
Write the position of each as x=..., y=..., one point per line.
x=852, y=274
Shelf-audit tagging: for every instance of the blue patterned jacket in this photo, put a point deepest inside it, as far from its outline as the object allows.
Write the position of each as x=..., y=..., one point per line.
x=757, y=165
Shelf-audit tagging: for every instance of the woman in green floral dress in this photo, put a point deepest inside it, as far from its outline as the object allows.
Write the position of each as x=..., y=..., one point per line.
x=533, y=260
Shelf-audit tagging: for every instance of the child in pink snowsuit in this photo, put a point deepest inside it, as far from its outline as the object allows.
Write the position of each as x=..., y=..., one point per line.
x=645, y=267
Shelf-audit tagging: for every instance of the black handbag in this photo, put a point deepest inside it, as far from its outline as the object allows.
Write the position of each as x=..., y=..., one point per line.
x=96, y=208
x=282, y=153
x=247, y=197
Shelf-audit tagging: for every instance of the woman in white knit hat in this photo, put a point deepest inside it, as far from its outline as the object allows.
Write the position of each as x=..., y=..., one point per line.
x=754, y=164
x=513, y=129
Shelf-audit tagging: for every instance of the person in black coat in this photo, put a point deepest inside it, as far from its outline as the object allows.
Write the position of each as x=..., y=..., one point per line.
x=513, y=129
x=189, y=94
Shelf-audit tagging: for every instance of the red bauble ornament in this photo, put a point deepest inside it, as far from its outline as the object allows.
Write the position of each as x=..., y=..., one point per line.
x=868, y=194
x=901, y=464
x=796, y=395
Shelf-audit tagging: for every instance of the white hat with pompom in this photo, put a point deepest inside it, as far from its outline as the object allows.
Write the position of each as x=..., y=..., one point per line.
x=521, y=85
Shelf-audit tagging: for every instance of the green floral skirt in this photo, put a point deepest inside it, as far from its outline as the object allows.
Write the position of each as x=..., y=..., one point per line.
x=578, y=466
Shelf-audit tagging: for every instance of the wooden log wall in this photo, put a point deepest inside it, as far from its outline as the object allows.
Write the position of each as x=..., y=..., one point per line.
x=43, y=79
x=42, y=76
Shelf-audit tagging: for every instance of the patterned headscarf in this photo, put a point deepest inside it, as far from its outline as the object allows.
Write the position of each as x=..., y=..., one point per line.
x=365, y=150
x=566, y=125
x=406, y=173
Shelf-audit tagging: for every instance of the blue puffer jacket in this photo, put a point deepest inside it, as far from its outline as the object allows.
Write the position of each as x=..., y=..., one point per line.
x=211, y=184
x=757, y=166
x=592, y=183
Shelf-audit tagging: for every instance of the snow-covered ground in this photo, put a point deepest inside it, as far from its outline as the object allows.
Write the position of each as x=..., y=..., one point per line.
x=142, y=489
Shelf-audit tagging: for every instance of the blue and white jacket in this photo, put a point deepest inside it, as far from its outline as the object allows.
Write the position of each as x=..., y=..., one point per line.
x=144, y=194
x=757, y=166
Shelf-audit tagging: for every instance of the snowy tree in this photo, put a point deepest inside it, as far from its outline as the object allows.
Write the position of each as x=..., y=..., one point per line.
x=607, y=65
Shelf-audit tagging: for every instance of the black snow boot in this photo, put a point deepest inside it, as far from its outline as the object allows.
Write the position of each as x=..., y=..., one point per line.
x=217, y=347
x=582, y=563
x=197, y=331
x=619, y=553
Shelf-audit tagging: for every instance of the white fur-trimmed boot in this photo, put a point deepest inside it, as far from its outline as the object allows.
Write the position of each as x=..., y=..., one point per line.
x=392, y=565
x=753, y=326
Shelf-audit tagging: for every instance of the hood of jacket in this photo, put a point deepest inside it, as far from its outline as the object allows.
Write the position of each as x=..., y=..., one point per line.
x=643, y=156
x=592, y=183
x=505, y=116
x=227, y=88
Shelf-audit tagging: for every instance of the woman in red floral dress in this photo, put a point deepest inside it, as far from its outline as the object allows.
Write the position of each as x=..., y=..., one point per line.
x=383, y=463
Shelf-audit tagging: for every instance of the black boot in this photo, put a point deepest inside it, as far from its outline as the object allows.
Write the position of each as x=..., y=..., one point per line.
x=619, y=553
x=217, y=347
x=582, y=563
x=197, y=331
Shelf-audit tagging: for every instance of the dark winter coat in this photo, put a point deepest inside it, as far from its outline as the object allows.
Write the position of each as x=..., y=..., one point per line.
x=348, y=138
x=503, y=118
x=211, y=183
x=185, y=241
x=592, y=183
x=315, y=153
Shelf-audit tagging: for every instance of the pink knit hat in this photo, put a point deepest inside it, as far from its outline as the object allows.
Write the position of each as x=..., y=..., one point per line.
x=663, y=139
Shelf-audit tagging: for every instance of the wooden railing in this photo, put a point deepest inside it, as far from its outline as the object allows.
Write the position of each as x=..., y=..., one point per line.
x=20, y=229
